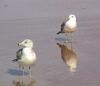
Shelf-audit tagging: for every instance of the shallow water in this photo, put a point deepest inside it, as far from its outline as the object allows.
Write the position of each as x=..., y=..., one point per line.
x=40, y=20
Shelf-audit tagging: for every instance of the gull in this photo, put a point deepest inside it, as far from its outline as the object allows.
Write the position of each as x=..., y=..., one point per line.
x=69, y=26
x=26, y=55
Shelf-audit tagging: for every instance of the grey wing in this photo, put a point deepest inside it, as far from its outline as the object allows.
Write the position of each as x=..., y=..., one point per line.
x=62, y=26
x=18, y=55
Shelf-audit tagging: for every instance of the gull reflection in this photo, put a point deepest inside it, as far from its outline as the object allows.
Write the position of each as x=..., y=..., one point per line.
x=69, y=56
x=22, y=83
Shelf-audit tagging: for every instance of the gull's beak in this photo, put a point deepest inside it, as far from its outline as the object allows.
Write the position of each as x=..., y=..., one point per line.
x=18, y=44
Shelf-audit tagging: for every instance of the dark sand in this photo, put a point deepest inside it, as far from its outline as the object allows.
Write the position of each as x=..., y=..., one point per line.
x=39, y=20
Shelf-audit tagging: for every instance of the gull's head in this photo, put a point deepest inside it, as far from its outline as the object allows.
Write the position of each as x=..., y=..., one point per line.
x=26, y=43
x=72, y=16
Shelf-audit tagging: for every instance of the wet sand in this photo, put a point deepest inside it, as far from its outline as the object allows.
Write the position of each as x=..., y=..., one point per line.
x=40, y=20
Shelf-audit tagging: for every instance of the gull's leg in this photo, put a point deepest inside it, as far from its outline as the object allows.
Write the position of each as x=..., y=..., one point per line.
x=23, y=71
x=67, y=38
x=30, y=75
x=71, y=37
x=18, y=77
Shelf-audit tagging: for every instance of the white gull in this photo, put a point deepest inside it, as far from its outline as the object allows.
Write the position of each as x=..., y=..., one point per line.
x=69, y=26
x=26, y=55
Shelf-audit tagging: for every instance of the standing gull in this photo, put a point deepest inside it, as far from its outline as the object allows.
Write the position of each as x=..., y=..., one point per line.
x=69, y=26
x=25, y=56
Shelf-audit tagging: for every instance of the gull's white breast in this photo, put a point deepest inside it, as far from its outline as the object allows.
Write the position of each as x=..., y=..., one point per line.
x=29, y=56
x=71, y=23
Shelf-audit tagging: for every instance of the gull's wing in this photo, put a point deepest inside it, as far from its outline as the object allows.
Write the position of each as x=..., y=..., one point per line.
x=62, y=28
x=18, y=55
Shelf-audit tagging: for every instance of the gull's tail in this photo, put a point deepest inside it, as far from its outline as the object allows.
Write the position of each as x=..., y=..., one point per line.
x=60, y=32
x=15, y=60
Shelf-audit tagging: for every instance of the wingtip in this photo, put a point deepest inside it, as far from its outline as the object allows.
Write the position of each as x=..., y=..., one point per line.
x=14, y=60
x=58, y=32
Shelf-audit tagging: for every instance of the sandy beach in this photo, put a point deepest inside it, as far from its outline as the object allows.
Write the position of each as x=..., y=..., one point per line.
x=40, y=20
